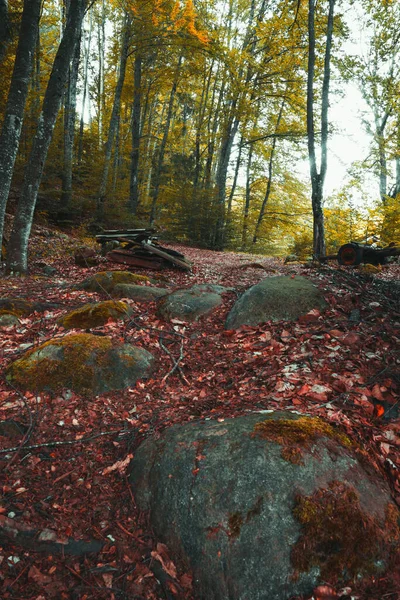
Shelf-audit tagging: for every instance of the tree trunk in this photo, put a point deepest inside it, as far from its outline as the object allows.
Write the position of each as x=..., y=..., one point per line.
x=17, y=255
x=114, y=118
x=160, y=162
x=69, y=129
x=318, y=178
x=85, y=88
x=5, y=31
x=14, y=114
x=270, y=172
x=247, y=199
x=136, y=121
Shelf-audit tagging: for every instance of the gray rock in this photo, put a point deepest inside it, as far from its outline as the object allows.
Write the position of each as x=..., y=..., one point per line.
x=275, y=299
x=188, y=305
x=221, y=495
x=139, y=293
x=210, y=287
x=84, y=363
x=8, y=320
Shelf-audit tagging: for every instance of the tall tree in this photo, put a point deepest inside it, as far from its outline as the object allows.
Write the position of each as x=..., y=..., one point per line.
x=318, y=176
x=14, y=115
x=5, y=31
x=113, y=125
x=17, y=256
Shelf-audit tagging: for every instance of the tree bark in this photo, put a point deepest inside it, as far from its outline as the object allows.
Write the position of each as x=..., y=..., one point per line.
x=318, y=177
x=160, y=162
x=270, y=173
x=85, y=88
x=5, y=31
x=114, y=120
x=69, y=129
x=13, y=118
x=247, y=199
x=17, y=255
x=136, y=128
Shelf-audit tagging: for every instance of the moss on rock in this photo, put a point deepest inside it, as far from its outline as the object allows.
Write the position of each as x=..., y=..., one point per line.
x=298, y=436
x=94, y=315
x=85, y=363
x=339, y=537
x=105, y=281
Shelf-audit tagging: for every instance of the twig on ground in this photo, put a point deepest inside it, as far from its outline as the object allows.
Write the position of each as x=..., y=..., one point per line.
x=62, y=442
x=176, y=366
x=28, y=433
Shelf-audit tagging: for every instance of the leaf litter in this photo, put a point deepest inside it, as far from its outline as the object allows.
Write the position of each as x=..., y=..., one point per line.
x=70, y=476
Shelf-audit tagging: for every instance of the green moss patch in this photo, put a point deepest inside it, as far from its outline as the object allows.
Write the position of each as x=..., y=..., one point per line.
x=297, y=436
x=94, y=315
x=67, y=362
x=339, y=537
x=16, y=306
x=105, y=281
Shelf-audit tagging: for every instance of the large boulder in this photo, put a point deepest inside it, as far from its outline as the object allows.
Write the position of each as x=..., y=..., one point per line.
x=188, y=304
x=275, y=299
x=139, y=293
x=95, y=315
x=88, y=364
x=265, y=505
x=105, y=281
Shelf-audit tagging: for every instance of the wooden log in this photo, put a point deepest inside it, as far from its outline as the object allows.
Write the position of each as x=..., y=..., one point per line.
x=163, y=254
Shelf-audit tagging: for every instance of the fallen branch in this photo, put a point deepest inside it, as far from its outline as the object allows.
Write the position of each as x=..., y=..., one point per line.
x=176, y=366
x=62, y=443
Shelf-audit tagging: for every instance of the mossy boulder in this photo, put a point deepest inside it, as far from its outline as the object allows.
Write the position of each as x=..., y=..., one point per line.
x=8, y=318
x=23, y=308
x=275, y=299
x=105, y=281
x=95, y=315
x=139, y=293
x=88, y=364
x=189, y=304
x=265, y=505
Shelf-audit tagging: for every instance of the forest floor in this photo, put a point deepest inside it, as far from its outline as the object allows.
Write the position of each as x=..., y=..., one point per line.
x=342, y=365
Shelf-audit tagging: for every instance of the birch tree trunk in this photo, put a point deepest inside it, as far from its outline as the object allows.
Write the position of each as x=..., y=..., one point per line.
x=17, y=255
x=318, y=177
x=13, y=118
x=114, y=120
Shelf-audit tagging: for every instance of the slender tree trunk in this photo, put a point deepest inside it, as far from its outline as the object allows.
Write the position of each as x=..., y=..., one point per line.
x=136, y=122
x=85, y=88
x=116, y=161
x=5, y=31
x=17, y=255
x=114, y=118
x=234, y=182
x=247, y=199
x=270, y=173
x=14, y=114
x=69, y=129
x=229, y=133
x=318, y=178
x=100, y=82
x=160, y=162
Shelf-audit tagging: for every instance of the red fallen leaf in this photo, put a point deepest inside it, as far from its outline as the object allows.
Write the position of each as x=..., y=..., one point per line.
x=311, y=317
x=229, y=332
x=304, y=390
x=351, y=339
x=376, y=392
x=336, y=333
x=324, y=592
x=162, y=556
x=37, y=576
